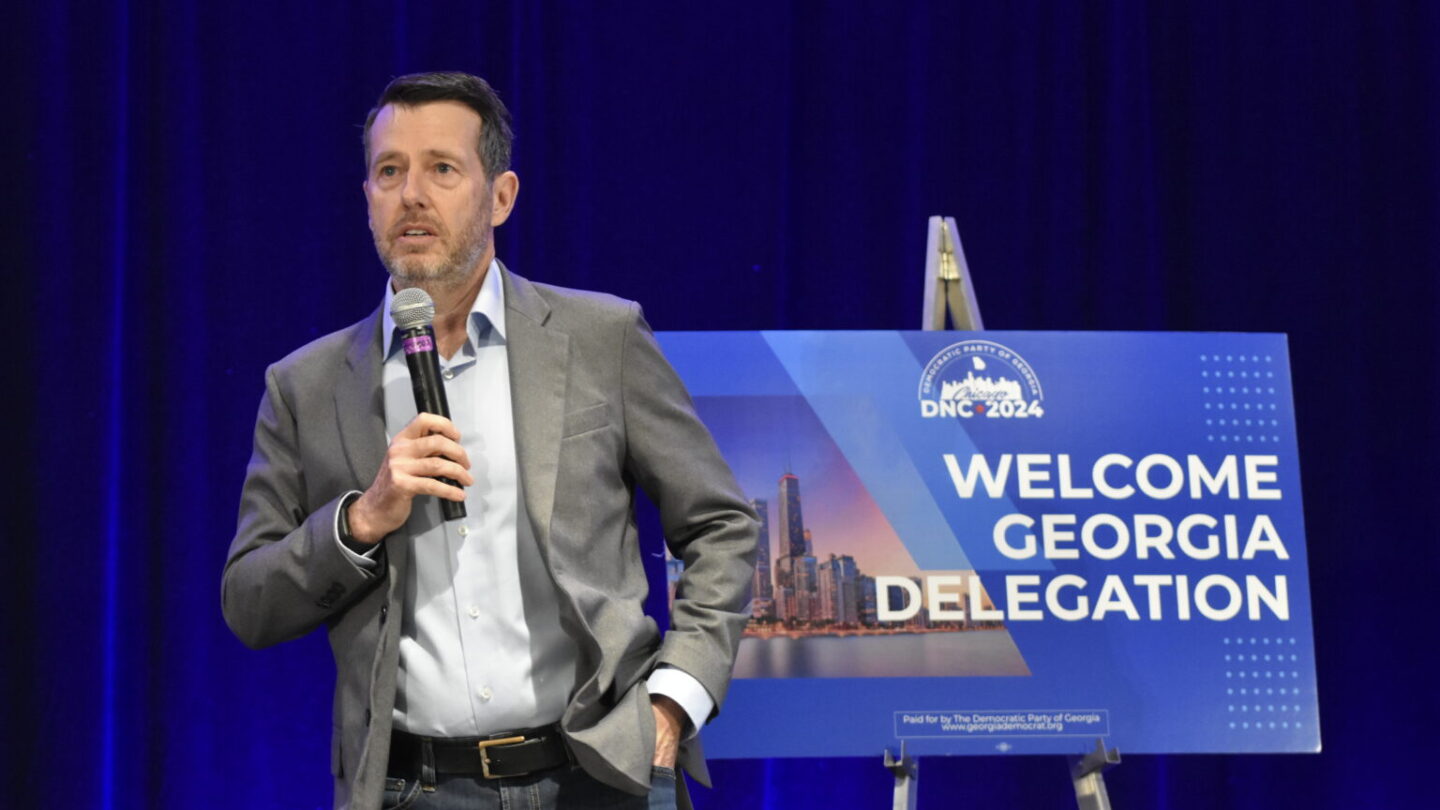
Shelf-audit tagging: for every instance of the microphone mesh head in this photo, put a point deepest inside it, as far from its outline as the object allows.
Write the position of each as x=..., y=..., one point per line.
x=412, y=308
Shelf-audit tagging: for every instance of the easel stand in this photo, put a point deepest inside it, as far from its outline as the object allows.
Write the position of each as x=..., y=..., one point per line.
x=907, y=778
x=1087, y=775
x=948, y=290
x=950, y=304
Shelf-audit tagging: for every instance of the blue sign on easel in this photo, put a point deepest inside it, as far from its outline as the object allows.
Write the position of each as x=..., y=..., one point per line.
x=1013, y=542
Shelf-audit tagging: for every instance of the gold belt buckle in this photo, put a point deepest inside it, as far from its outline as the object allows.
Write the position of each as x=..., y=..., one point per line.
x=484, y=745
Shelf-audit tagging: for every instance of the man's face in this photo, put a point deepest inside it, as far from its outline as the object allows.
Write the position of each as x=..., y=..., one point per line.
x=432, y=211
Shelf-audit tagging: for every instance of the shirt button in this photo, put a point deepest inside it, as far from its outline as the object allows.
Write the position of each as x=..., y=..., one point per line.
x=464, y=530
x=474, y=611
x=448, y=374
x=486, y=694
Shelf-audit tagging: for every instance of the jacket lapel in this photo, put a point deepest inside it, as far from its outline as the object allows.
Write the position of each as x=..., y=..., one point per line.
x=539, y=358
x=360, y=411
x=359, y=407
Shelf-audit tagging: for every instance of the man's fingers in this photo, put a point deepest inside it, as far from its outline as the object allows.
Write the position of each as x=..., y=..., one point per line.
x=427, y=423
x=437, y=445
x=435, y=467
x=424, y=450
x=430, y=486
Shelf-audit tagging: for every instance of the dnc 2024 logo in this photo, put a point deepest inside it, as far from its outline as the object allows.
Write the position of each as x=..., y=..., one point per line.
x=980, y=378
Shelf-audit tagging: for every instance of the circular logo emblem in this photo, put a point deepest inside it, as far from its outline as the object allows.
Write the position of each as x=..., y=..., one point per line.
x=980, y=378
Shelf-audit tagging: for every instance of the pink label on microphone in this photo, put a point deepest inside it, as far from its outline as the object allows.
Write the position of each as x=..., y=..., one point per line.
x=419, y=343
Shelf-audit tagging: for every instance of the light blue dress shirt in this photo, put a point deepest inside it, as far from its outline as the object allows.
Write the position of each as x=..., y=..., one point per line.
x=482, y=649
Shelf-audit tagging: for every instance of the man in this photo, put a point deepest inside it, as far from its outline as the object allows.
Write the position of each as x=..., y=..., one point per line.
x=503, y=657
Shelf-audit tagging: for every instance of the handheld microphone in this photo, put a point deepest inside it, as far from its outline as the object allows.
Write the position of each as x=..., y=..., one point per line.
x=413, y=312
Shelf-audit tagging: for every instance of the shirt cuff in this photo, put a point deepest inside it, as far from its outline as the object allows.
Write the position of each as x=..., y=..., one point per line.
x=365, y=562
x=681, y=687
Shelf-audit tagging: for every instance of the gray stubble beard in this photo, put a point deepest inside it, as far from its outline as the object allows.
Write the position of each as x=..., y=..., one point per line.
x=454, y=270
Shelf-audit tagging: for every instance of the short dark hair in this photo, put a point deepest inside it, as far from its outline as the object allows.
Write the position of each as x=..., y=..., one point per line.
x=474, y=92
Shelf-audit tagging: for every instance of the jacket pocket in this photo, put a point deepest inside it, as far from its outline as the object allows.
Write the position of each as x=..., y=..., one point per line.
x=586, y=419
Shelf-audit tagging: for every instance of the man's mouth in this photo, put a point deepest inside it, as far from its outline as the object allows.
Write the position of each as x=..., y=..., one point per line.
x=415, y=233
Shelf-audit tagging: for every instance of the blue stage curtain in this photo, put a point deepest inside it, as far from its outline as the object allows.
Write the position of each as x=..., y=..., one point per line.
x=184, y=208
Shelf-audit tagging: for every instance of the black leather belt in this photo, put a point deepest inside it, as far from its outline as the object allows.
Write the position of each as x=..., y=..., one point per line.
x=515, y=753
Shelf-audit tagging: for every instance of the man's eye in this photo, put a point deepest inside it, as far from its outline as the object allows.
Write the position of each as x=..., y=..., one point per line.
x=444, y=168
x=388, y=171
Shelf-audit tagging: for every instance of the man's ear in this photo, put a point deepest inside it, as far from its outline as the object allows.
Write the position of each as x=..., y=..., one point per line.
x=503, y=191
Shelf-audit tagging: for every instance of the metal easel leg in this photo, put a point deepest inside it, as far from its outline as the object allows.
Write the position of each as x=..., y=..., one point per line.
x=1087, y=776
x=907, y=778
x=949, y=301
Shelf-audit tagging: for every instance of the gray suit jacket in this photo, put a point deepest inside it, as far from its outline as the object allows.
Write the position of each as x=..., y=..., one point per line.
x=597, y=410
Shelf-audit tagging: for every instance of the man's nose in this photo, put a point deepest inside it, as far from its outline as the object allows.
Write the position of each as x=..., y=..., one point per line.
x=414, y=193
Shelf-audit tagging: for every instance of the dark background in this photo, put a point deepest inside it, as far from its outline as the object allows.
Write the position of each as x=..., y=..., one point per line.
x=185, y=207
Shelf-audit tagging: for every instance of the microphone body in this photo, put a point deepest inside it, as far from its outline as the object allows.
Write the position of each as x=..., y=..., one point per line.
x=429, y=390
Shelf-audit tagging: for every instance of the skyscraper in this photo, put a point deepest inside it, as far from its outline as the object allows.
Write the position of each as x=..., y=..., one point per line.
x=849, y=603
x=866, y=589
x=792, y=523
x=787, y=608
x=797, y=576
x=830, y=599
x=807, y=586
x=839, y=591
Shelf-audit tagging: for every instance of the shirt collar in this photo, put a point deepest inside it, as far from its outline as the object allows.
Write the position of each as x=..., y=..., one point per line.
x=488, y=310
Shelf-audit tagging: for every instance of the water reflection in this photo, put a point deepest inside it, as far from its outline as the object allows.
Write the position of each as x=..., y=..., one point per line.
x=923, y=655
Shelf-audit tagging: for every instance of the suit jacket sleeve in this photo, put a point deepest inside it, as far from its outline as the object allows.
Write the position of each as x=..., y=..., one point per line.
x=285, y=574
x=707, y=522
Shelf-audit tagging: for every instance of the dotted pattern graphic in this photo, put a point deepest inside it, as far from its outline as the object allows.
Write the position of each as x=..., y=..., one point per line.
x=1262, y=683
x=1240, y=398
